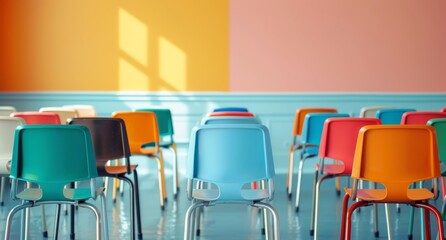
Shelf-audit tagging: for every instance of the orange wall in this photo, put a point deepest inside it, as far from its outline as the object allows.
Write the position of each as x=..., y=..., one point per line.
x=338, y=46
x=111, y=45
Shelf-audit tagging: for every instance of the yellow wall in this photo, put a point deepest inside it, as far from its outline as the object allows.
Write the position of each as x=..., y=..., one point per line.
x=112, y=45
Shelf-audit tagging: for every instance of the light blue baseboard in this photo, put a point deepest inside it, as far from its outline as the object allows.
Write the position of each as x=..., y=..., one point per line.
x=276, y=110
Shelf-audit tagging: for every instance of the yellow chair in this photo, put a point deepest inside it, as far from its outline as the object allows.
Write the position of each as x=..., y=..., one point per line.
x=143, y=136
x=395, y=156
x=296, y=145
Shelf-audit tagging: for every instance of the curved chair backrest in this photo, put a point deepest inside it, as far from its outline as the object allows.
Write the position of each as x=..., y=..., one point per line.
x=64, y=113
x=165, y=122
x=396, y=156
x=440, y=129
x=7, y=130
x=53, y=156
x=230, y=109
x=83, y=110
x=392, y=115
x=299, y=118
x=229, y=120
x=420, y=117
x=370, y=112
x=5, y=111
x=230, y=155
x=234, y=114
x=313, y=125
x=339, y=137
x=38, y=117
x=142, y=129
x=109, y=140
x=443, y=109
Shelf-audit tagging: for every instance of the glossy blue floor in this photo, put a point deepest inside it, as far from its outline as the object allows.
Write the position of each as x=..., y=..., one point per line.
x=222, y=221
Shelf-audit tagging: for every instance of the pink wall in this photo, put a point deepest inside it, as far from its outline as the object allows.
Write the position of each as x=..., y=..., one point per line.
x=338, y=45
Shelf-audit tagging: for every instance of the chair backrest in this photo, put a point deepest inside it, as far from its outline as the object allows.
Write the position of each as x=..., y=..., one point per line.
x=142, y=129
x=392, y=115
x=396, y=156
x=109, y=137
x=339, y=136
x=313, y=125
x=230, y=155
x=299, y=118
x=64, y=113
x=7, y=130
x=165, y=122
x=83, y=110
x=230, y=109
x=38, y=117
x=440, y=129
x=370, y=112
x=229, y=120
x=443, y=109
x=420, y=117
x=234, y=114
x=5, y=111
x=53, y=156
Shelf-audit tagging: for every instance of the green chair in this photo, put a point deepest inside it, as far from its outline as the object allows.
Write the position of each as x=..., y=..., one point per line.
x=51, y=157
x=165, y=128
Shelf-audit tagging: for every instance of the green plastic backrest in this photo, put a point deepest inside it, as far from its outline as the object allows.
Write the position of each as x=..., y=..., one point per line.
x=53, y=156
x=164, y=119
x=440, y=129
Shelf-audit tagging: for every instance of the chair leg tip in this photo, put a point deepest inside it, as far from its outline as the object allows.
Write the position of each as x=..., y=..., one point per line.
x=165, y=200
x=45, y=234
x=297, y=209
x=2, y=203
x=311, y=232
x=139, y=235
x=376, y=234
x=162, y=208
x=198, y=232
x=71, y=235
x=263, y=231
x=410, y=237
x=290, y=196
x=338, y=193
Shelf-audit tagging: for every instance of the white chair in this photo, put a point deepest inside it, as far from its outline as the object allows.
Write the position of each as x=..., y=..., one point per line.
x=64, y=113
x=6, y=110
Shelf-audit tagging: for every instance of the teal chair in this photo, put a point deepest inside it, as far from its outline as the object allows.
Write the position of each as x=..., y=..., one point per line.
x=230, y=156
x=392, y=115
x=51, y=157
x=310, y=139
x=165, y=128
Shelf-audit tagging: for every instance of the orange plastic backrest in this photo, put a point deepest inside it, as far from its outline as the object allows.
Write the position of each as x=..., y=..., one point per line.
x=420, y=117
x=142, y=128
x=339, y=136
x=38, y=117
x=234, y=114
x=300, y=117
x=396, y=156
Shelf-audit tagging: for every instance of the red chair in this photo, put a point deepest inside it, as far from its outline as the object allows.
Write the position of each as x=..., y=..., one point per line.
x=235, y=114
x=420, y=117
x=38, y=117
x=338, y=143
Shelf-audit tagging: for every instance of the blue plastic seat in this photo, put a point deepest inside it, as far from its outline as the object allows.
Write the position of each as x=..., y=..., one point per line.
x=53, y=156
x=309, y=144
x=231, y=109
x=230, y=156
x=392, y=115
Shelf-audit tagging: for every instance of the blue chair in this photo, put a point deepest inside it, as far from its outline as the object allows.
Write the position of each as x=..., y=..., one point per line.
x=52, y=156
x=231, y=109
x=392, y=115
x=230, y=156
x=309, y=144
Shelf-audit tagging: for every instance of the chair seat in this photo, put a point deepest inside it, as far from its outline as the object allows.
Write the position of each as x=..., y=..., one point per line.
x=213, y=194
x=148, y=150
x=332, y=169
x=35, y=194
x=378, y=195
x=119, y=169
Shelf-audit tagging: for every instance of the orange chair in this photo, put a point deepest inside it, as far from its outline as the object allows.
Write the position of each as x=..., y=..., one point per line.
x=381, y=151
x=296, y=145
x=143, y=136
x=338, y=142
